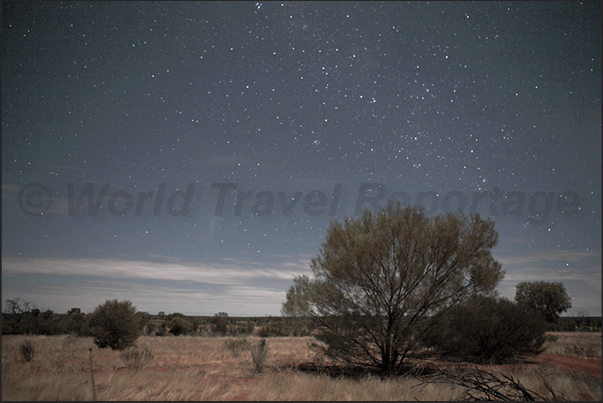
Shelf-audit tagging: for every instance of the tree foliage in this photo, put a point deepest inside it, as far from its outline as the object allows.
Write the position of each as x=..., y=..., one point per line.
x=220, y=323
x=76, y=323
x=380, y=280
x=23, y=317
x=178, y=325
x=550, y=299
x=487, y=330
x=115, y=324
x=295, y=309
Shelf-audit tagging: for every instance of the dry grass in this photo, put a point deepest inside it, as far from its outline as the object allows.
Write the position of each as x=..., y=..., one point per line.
x=581, y=345
x=236, y=345
x=136, y=357
x=259, y=354
x=291, y=385
x=198, y=368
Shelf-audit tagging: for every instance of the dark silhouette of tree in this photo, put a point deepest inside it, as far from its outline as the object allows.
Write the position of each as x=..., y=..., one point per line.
x=550, y=299
x=178, y=325
x=381, y=279
x=220, y=323
x=580, y=318
x=20, y=317
x=488, y=330
x=76, y=322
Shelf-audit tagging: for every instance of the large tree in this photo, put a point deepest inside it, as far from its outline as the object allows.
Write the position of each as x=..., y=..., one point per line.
x=548, y=298
x=381, y=279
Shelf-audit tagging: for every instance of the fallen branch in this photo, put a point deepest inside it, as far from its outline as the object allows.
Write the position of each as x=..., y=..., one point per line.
x=481, y=385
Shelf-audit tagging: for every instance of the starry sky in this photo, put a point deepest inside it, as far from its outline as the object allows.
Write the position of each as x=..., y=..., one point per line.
x=189, y=156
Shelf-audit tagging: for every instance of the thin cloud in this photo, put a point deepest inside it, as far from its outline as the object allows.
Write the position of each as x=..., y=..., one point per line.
x=580, y=272
x=188, y=298
x=231, y=272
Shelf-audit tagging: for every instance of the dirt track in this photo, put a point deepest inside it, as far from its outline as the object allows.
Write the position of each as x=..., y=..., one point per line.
x=590, y=365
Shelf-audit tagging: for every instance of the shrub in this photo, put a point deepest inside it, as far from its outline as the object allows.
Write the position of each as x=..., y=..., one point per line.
x=162, y=329
x=114, y=324
x=135, y=357
x=27, y=351
x=259, y=353
x=236, y=346
x=220, y=323
x=76, y=323
x=274, y=328
x=179, y=325
x=487, y=330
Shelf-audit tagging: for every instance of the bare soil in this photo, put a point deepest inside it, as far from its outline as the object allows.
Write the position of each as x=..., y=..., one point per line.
x=590, y=365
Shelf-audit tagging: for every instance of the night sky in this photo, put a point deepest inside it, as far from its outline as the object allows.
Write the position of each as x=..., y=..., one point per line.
x=218, y=140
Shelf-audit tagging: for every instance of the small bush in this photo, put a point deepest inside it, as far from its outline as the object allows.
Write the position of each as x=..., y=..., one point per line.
x=220, y=323
x=259, y=354
x=236, y=346
x=488, y=330
x=115, y=324
x=179, y=325
x=135, y=357
x=27, y=351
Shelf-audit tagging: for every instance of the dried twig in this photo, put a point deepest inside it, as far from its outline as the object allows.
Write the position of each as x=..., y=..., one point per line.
x=481, y=385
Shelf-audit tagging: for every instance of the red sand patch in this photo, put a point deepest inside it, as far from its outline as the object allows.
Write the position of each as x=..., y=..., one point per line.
x=590, y=365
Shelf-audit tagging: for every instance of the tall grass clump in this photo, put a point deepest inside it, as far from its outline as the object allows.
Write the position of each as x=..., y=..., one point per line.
x=236, y=346
x=259, y=354
x=135, y=357
x=27, y=350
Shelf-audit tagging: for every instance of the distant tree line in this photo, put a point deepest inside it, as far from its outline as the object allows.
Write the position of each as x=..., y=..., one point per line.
x=24, y=317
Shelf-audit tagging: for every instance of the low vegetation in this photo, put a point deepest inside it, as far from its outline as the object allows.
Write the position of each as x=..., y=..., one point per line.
x=136, y=357
x=259, y=355
x=580, y=345
x=488, y=330
x=236, y=346
x=27, y=351
x=114, y=324
x=203, y=368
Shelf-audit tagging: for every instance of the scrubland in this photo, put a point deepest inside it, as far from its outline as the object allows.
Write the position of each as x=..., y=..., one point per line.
x=581, y=345
x=202, y=368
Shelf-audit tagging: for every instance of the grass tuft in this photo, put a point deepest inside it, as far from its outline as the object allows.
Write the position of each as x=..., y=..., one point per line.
x=27, y=350
x=135, y=357
x=259, y=354
x=236, y=346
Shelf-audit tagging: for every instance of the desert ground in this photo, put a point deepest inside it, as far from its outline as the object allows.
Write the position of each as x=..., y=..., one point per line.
x=203, y=368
